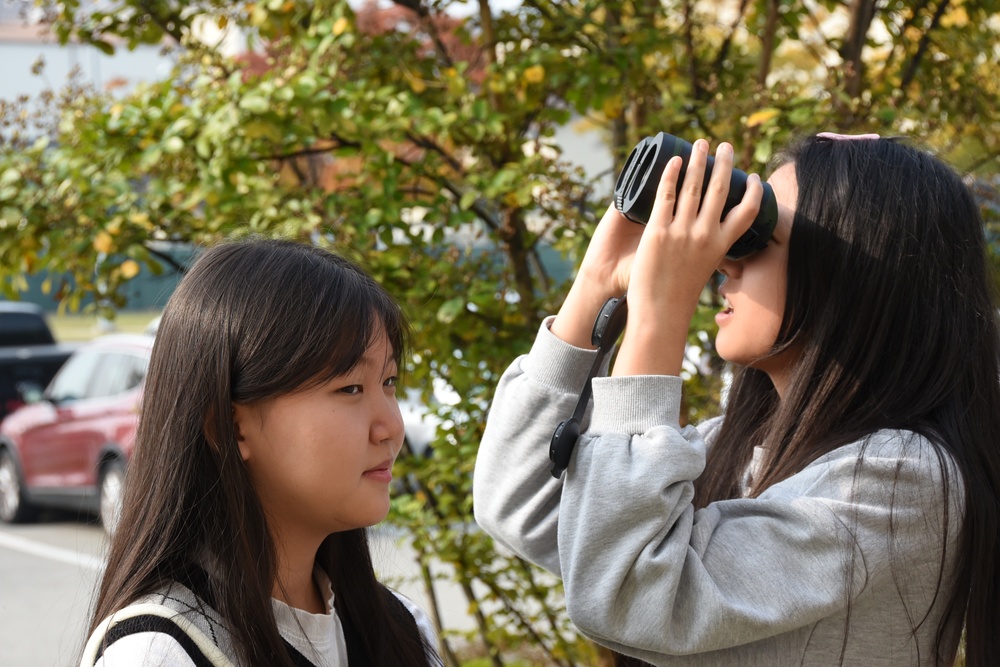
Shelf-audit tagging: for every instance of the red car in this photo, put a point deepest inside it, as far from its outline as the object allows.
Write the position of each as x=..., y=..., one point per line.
x=69, y=446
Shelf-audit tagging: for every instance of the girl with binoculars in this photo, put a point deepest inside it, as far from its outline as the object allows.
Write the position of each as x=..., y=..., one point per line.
x=844, y=509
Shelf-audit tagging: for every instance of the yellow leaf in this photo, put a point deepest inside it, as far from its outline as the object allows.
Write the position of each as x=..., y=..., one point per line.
x=103, y=242
x=762, y=116
x=534, y=74
x=258, y=15
x=417, y=85
x=257, y=129
x=612, y=106
x=339, y=26
x=957, y=17
x=129, y=269
x=222, y=22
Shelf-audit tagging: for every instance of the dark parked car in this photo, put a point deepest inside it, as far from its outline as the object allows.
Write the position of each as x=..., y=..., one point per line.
x=29, y=354
x=69, y=446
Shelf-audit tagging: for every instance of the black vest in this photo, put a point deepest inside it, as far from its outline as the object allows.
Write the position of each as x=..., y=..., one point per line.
x=197, y=581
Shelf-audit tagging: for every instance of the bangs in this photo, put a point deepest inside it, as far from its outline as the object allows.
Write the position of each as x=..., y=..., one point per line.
x=298, y=315
x=345, y=343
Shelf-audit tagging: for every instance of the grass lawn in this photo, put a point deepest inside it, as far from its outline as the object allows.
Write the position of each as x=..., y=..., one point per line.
x=76, y=327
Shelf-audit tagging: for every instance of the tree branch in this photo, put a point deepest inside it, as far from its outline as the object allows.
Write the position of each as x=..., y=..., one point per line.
x=862, y=14
x=727, y=41
x=159, y=254
x=164, y=21
x=696, y=86
x=425, y=18
x=925, y=40
x=770, y=30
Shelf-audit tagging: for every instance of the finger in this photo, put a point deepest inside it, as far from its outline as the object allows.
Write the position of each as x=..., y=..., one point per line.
x=666, y=193
x=741, y=217
x=613, y=218
x=689, y=200
x=718, y=185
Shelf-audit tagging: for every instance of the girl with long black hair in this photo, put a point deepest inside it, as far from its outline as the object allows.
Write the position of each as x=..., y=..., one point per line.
x=265, y=446
x=845, y=509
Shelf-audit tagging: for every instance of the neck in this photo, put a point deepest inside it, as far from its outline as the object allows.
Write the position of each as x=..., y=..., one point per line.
x=294, y=583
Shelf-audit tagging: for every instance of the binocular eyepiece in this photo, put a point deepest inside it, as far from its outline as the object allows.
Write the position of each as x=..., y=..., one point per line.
x=635, y=189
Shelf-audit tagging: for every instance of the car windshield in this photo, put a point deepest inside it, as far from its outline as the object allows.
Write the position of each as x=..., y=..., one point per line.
x=20, y=329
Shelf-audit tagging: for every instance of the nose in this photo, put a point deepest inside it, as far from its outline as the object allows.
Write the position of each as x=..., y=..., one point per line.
x=387, y=423
x=730, y=268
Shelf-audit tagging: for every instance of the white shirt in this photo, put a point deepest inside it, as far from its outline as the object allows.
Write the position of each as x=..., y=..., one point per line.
x=319, y=637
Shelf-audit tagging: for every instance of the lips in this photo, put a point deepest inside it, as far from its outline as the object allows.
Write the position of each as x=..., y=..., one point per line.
x=381, y=472
x=727, y=307
x=723, y=315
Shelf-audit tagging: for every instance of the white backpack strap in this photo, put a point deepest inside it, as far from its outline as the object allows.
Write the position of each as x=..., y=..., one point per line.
x=149, y=617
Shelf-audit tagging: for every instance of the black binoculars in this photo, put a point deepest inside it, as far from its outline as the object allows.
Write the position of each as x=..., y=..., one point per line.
x=635, y=190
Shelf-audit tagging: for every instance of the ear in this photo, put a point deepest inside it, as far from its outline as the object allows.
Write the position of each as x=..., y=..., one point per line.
x=242, y=424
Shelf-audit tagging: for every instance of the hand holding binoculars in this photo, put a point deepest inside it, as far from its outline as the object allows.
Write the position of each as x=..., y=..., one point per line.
x=635, y=190
x=635, y=193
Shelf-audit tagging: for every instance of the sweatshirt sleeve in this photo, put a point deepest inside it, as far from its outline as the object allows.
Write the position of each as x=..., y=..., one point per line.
x=515, y=497
x=649, y=576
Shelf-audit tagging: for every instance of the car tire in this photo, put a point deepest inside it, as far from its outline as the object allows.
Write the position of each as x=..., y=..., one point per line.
x=112, y=485
x=14, y=508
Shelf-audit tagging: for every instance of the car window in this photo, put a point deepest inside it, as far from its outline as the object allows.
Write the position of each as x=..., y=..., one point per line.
x=114, y=374
x=136, y=371
x=73, y=379
x=18, y=329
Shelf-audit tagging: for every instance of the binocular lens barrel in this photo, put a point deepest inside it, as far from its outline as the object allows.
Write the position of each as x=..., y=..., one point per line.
x=635, y=190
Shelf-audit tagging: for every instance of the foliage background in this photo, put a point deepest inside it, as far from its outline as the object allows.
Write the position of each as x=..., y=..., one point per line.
x=416, y=137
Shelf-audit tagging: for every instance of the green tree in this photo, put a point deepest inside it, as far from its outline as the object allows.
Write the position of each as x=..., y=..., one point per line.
x=420, y=144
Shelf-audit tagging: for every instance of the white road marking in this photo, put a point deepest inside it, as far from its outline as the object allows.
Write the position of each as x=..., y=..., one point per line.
x=50, y=552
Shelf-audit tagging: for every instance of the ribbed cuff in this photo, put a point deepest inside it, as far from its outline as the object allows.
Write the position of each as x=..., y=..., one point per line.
x=634, y=404
x=555, y=363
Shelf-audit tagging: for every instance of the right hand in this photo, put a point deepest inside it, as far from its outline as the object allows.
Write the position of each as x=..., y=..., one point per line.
x=604, y=273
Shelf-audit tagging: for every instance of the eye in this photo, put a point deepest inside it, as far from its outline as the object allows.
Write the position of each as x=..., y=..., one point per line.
x=390, y=381
x=351, y=390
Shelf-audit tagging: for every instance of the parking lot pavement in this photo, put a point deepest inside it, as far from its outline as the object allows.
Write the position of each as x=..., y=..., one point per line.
x=50, y=570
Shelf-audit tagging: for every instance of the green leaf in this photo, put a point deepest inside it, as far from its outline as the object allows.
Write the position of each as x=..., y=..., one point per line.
x=10, y=176
x=467, y=200
x=450, y=310
x=255, y=103
x=173, y=145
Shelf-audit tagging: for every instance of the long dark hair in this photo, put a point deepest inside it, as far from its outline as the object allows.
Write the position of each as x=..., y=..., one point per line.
x=891, y=304
x=250, y=321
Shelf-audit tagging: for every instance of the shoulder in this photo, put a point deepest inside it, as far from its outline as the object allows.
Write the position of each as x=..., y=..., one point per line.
x=709, y=429
x=169, y=627
x=889, y=468
x=145, y=649
x=424, y=625
x=905, y=453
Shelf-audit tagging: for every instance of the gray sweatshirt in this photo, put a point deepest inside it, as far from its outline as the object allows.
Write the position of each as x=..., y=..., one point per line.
x=750, y=581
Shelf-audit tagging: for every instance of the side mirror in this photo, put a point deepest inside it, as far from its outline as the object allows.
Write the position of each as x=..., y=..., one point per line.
x=31, y=392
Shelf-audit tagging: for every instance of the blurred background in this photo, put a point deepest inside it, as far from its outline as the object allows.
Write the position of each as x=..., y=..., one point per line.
x=463, y=151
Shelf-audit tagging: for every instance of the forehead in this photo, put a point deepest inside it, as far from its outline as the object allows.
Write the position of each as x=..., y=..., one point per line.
x=380, y=350
x=786, y=193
